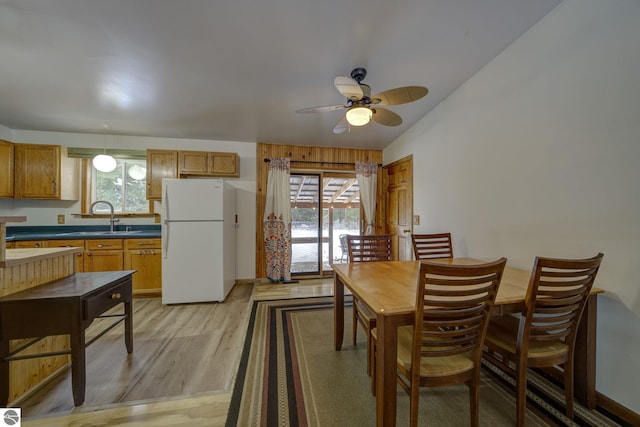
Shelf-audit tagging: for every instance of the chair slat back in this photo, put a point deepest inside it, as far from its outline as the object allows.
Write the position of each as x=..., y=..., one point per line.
x=556, y=298
x=454, y=304
x=430, y=246
x=369, y=248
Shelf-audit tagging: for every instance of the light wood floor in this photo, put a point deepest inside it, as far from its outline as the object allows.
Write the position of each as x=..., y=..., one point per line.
x=164, y=382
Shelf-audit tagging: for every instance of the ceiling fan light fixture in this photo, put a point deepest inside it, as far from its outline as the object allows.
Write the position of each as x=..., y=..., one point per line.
x=359, y=116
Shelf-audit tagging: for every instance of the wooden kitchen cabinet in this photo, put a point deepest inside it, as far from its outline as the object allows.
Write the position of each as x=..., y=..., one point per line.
x=160, y=164
x=29, y=244
x=103, y=255
x=144, y=256
x=207, y=163
x=45, y=172
x=6, y=169
x=68, y=243
x=10, y=245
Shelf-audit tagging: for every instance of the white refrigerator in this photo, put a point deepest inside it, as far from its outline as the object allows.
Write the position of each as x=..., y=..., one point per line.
x=198, y=240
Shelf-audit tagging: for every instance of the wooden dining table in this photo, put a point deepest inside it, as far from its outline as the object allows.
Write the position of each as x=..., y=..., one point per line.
x=389, y=288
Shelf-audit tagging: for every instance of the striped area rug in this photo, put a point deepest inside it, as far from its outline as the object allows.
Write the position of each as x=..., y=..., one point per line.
x=290, y=375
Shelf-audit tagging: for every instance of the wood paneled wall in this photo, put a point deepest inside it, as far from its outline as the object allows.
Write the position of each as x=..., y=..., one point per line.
x=299, y=153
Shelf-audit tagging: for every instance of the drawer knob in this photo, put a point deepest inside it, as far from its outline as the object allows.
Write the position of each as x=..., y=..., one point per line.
x=115, y=296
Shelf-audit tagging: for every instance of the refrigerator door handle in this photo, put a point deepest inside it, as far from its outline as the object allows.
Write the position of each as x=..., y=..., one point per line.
x=165, y=217
x=165, y=239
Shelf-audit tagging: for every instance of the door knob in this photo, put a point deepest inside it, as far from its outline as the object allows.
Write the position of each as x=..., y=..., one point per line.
x=406, y=231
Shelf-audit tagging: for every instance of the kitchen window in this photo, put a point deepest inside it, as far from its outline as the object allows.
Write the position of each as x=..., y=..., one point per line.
x=124, y=187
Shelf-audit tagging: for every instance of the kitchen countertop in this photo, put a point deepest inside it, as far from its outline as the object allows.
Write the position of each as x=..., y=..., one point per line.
x=52, y=232
x=24, y=256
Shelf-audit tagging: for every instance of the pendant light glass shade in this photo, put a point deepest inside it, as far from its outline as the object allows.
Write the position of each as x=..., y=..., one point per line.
x=359, y=116
x=137, y=172
x=104, y=163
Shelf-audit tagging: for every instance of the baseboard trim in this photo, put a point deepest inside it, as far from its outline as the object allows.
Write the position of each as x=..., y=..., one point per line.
x=622, y=412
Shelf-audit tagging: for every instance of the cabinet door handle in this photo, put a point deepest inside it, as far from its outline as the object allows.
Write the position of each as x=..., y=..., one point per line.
x=145, y=243
x=102, y=245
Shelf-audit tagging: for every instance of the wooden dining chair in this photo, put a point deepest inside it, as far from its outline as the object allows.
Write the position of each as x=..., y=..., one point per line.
x=429, y=246
x=545, y=333
x=344, y=253
x=367, y=249
x=444, y=346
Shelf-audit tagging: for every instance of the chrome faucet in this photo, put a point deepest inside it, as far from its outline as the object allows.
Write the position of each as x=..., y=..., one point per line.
x=112, y=218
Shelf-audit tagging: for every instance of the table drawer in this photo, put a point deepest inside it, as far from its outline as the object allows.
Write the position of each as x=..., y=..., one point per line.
x=109, y=298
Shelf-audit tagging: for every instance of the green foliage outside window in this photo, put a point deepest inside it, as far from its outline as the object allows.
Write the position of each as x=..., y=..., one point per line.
x=121, y=188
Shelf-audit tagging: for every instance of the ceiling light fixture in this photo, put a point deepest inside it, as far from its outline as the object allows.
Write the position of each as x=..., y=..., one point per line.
x=359, y=116
x=104, y=162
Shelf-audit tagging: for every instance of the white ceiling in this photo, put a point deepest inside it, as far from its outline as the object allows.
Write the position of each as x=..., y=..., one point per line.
x=237, y=70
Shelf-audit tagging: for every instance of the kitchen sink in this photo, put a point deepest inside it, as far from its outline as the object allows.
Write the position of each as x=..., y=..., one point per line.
x=98, y=233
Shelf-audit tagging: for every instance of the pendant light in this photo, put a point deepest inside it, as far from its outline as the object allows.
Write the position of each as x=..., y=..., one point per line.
x=104, y=162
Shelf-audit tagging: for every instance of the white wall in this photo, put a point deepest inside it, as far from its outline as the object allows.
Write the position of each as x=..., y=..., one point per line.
x=537, y=154
x=5, y=133
x=44, y=212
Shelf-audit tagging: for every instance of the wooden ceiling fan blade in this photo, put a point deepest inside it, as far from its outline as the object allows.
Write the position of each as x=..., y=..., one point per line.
x=348, y=87
x=400, y=95
x=342, y=126
x=321, y=109
x=386, y=117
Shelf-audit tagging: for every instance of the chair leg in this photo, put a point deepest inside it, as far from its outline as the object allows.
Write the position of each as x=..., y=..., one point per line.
x=474, y=397
x=414, y=403
x=355, y=322
x=521, y=392
x=372, y=359
x=568, y=386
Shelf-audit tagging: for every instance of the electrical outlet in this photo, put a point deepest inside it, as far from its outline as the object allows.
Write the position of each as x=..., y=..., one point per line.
x=416, y=220
x=61, y=219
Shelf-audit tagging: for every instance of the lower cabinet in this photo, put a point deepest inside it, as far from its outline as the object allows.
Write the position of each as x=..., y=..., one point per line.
x=69, y=244
x=103, y=255
x=29, y=244
x=144, y=256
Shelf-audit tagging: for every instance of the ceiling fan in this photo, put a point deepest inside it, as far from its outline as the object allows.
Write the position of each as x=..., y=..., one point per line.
x=360, y=104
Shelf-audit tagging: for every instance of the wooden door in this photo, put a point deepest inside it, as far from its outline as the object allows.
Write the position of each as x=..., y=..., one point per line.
x=399, y=206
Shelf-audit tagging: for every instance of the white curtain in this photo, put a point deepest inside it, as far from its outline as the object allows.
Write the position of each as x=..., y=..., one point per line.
x=367, y=176
x=277, y=221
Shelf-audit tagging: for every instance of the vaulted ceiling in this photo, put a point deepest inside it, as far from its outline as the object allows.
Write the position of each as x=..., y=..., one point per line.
x=237, y=70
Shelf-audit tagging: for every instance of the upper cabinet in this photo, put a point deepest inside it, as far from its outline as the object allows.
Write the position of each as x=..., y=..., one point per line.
x=45, y=172
x=208, y=163
x=176, y=164
x=160, y=164
x=6, y=169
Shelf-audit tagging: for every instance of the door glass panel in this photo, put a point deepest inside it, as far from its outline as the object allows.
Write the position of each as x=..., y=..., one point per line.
x=341, y=199
x=305, y=223
x=320, y=215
